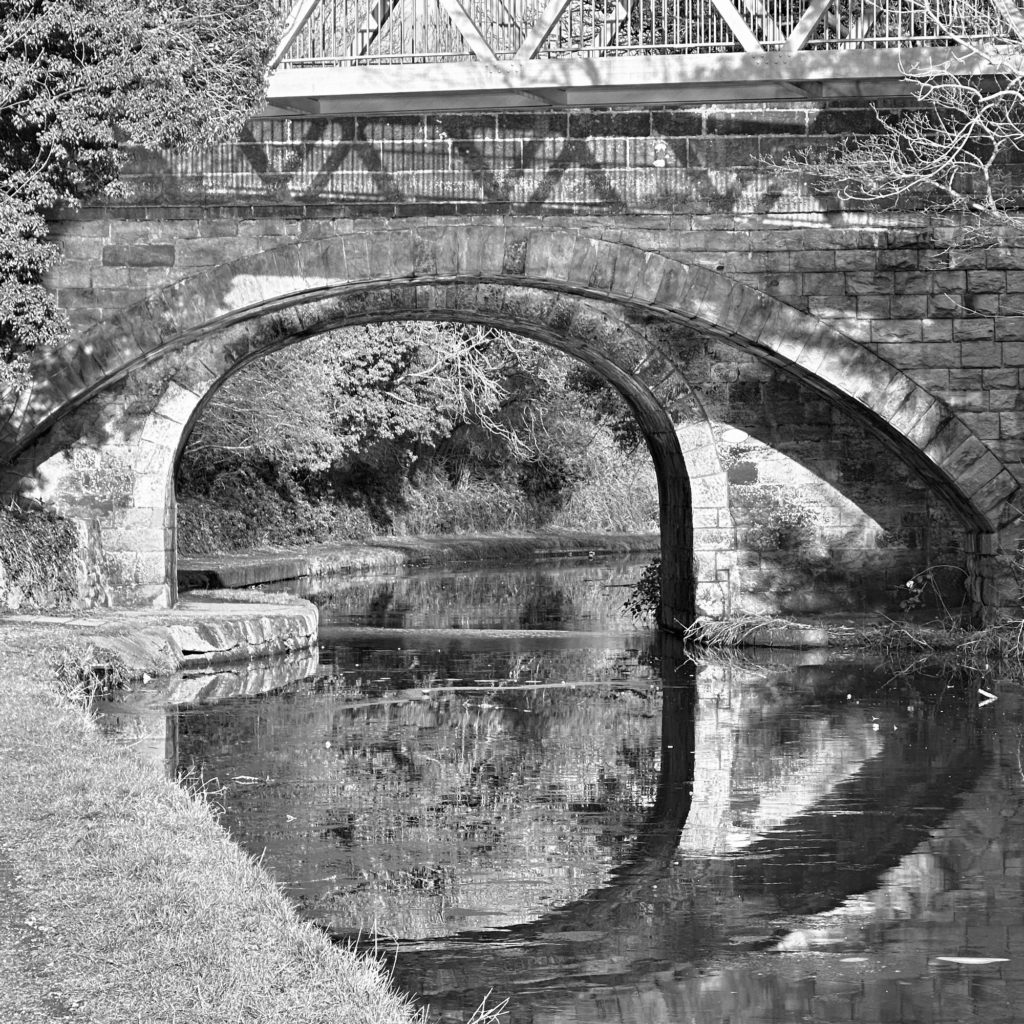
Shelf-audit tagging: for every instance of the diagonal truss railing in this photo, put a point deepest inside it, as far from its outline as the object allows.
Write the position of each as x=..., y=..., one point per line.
x=340, y=32
x=564, y=51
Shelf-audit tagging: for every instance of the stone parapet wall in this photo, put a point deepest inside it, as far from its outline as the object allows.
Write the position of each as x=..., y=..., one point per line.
x=693, y=160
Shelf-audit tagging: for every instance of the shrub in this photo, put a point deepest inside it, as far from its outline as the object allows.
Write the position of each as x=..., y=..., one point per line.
x=644, y=599
x=473, y=506
x=548, y=481
x=619, y=497
x=251, y=514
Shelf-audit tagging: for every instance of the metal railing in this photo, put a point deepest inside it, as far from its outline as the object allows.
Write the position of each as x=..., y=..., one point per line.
x=362, y=32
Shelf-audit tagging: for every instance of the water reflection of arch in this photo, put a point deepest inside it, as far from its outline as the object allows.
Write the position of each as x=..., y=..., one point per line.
x=646, y=933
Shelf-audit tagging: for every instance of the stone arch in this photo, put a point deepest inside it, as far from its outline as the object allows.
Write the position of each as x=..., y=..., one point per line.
x=361, y=268
x=596, y=334
x=530, y=276
x=151, y=433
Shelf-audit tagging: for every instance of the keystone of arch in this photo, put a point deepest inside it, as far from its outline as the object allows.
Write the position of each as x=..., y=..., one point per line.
x=537, y=256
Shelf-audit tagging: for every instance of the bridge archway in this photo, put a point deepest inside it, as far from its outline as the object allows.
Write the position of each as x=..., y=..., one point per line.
x=181, y=385
x=127, y=390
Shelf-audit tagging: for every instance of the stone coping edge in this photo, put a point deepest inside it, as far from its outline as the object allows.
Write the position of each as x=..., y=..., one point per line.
x=791, y=635
x=199, y=632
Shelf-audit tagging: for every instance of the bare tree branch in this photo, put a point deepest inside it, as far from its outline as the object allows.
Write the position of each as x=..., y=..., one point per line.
x=953, y=154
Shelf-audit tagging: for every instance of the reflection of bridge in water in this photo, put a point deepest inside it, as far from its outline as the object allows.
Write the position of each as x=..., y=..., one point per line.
x=764, y=827
x=649, y=945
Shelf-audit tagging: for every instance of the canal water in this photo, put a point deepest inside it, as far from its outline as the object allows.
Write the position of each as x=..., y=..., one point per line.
x=499, y=784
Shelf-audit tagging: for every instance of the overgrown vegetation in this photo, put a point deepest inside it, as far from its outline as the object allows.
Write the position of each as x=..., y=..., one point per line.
x=38, y=560
x=644, y=598
x=83, y=670
x=411, y=428
x=952, y=155
x=1002, y=641
x=735, y=631
x=81, y=82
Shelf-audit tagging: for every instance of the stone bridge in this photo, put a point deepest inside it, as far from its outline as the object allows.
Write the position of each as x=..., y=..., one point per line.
x=831, y=396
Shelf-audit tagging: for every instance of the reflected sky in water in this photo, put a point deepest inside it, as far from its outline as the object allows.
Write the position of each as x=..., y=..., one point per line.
x=527, y=796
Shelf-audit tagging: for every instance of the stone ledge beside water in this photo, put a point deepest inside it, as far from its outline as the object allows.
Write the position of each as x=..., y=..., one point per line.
x=215, y=629
x=787, y=635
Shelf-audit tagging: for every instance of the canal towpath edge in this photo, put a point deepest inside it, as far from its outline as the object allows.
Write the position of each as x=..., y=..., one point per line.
x=121, y=897
x=269, y=565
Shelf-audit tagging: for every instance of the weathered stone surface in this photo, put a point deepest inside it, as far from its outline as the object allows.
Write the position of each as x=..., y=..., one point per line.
x=548, y=255
x=138, y=255
x=198, y=633
x=786, y=635
x=569, y=202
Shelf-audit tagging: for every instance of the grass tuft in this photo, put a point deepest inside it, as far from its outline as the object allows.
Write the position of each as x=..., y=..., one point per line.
x=83, y=671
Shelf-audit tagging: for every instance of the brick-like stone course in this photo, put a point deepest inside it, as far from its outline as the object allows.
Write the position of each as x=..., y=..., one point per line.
x=138, y=255
x=670, y=209
x=878, y=307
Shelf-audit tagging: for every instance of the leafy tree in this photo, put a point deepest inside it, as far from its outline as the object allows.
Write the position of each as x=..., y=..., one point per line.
x=82, y=81
x=472, y=426
x=349, y=390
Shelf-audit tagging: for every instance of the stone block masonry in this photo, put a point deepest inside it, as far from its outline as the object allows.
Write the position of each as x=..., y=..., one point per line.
x=687, y=183
x=682, y=216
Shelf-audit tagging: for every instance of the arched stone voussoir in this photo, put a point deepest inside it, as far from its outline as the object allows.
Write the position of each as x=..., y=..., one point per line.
x=525, y=271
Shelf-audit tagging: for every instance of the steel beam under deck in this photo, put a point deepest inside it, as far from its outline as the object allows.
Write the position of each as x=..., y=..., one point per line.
x=608, y=81
x=366, y=56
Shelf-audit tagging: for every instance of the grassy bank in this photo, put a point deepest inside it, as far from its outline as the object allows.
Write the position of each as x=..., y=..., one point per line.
x=121, y=898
